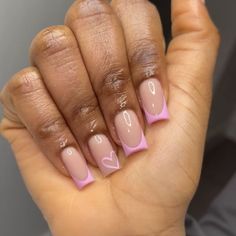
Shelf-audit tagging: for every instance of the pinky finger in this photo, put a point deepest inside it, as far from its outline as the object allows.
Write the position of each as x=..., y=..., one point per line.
x=27, y=97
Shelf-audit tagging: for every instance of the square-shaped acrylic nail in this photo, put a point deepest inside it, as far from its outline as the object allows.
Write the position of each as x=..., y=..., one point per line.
x=77, y=167
x=104, y=154
x=130, y=132
x=153, y=101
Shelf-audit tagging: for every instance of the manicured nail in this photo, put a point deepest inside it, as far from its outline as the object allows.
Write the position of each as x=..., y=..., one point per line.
x=153, y=101
x=77, y=167
x=104, y=154
x=130, y=132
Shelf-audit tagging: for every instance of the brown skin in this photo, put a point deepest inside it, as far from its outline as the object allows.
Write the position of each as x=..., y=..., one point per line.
x=151, y=194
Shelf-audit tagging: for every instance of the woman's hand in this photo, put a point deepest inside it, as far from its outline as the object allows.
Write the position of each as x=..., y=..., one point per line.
x=78, y=102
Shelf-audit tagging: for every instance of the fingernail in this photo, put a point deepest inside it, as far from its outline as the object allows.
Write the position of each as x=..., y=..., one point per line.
x=130, y=132
x=77, y=167
x=153, y=101
x=104, y=154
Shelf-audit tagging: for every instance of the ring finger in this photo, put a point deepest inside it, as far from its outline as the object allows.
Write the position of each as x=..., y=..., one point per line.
x=55, y=52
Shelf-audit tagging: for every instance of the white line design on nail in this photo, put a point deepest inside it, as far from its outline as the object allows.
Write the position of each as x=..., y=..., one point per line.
x=98, y=139
x=127, y=118
x=111, y=161
x=69, y=151
x=152, y=87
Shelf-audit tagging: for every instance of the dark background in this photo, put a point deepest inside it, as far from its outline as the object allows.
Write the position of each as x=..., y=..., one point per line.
x=21, y=20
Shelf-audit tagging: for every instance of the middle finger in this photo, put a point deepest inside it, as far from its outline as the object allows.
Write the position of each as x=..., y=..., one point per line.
x=102, y=45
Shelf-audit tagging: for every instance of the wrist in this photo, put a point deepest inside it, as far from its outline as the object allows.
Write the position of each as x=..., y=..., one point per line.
x=180, y=231
x=177, y=229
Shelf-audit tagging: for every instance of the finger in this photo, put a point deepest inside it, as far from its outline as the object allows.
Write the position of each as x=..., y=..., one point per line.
x=146, y=52
x=55, y=52
x=26, y=96
x=102, y=45
x=191, y=60
x=193, y=50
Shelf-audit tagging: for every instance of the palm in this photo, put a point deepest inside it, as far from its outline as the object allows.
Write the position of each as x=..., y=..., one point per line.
x=161, y=180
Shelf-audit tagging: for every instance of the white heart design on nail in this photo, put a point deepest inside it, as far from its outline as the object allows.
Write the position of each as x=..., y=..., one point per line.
x=111, y=161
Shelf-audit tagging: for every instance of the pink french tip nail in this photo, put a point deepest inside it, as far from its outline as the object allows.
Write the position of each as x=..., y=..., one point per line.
x=77, y=167
x=104, y=154
x=130, y=132
x=153, y=101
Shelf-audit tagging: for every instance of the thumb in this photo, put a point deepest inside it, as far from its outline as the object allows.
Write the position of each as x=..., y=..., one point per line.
x=191, y=58
x=192, y=52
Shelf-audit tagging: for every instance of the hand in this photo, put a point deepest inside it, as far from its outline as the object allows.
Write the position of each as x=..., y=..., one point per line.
x=52, y=114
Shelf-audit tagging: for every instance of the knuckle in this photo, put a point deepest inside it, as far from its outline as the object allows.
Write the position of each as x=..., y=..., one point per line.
x=51, y=40
x=204, y=30
x=5, y=125
x=50, y=127
x=24, y=82
x=88, y=10
x=181, y=25
x=3, y=95
x=85, y=110
x=8, y=109
x=209, y=35
x=208, y=32
x=145, y=56
x=216, y=36
x=123, y=4
x=114, y=80
x=144, y=52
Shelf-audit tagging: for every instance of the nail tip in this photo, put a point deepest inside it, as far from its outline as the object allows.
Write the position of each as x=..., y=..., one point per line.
x=111, y=172
x=83, y=183
x=164, y=115
x=131, y=150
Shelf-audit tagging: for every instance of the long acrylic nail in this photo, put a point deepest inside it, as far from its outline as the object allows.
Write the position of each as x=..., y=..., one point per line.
x=153, y=101
x=130, y=132
x=104, y=154
x=77, y=167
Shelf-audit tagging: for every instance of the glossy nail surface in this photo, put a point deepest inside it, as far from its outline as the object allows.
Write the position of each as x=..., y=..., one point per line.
x=130, y=132
x=153, y=101
x=77, y=167
x=104, y=154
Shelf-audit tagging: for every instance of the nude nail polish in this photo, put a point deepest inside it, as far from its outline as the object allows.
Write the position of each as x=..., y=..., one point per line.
x=77, y=167
x=153, y=101
x=104, y=154
x=130, y=132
